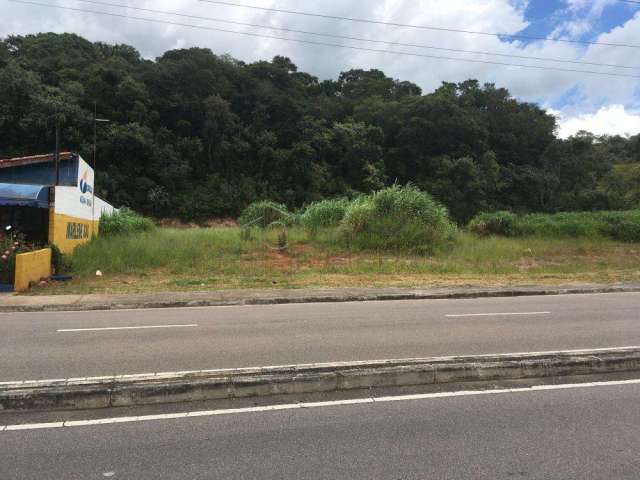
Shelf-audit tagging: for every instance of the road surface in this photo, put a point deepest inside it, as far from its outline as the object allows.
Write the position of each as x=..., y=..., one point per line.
x=77, y=344
x=563, y=434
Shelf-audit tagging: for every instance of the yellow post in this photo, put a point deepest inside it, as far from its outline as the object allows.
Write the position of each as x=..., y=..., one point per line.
x=32, y=267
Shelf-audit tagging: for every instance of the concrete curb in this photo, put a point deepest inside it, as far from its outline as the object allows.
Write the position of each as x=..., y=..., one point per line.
x=279, y=297
x=129, y=390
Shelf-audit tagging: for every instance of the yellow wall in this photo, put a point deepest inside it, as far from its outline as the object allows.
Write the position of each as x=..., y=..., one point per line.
x=31, y=267
x=68, y=232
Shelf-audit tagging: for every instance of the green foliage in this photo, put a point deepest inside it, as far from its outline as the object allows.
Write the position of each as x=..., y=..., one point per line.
x=124, y=222
x=239, y=132
x=61, y=262
x=323, y=214
x=397, y=218
x=263, y=213
x=622, y=225
x=497, y=223
x=623, y=184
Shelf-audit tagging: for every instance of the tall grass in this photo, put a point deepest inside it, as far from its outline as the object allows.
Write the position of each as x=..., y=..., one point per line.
x=324, y=214
x=397, y=218
x=124, y=222
x=175, y=250
x=264, y=213
x=162, y=248
x=623, y=225
x=400, y=218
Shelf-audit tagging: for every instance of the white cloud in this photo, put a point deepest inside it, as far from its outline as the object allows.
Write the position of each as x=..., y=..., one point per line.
x=610, y=120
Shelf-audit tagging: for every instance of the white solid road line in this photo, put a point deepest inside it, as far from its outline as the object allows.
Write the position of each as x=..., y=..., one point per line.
x=497, y=314
x=144, y=327
x=295, y=406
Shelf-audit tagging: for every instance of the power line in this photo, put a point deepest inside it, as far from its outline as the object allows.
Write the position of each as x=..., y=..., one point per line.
x=327, y=44
x=359, y=39
x=422, y=27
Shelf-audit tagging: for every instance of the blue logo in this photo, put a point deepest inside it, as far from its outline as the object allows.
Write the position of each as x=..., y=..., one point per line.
x=84, y=185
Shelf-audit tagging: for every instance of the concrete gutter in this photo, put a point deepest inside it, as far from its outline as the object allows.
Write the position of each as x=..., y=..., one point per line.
x=129, y=390
x=53, y=303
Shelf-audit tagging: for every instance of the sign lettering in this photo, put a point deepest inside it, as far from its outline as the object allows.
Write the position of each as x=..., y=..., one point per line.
x=77, y=231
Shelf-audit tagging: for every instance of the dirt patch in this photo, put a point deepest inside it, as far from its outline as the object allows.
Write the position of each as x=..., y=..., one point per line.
x=300, y=257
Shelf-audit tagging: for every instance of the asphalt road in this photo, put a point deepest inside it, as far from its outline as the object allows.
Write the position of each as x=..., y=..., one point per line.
x=77, y=344
x=590, y=433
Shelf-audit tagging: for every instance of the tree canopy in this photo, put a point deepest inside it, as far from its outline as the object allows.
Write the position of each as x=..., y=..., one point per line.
x=195, y=135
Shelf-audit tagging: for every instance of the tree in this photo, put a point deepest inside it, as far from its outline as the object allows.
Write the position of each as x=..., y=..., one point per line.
x=195, y=134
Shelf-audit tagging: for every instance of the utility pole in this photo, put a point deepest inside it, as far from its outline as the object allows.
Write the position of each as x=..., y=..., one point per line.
x=96, y=120
x=95, y=137
x=56, y=155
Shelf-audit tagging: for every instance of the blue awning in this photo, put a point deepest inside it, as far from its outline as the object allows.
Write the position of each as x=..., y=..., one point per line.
x=18, y=195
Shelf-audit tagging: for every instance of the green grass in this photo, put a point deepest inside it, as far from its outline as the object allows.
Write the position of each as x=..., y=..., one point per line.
x=205, y=259
x=621, y=225
x=175, y=250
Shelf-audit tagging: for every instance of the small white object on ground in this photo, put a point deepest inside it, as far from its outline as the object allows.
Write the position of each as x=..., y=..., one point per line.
x=98, y=273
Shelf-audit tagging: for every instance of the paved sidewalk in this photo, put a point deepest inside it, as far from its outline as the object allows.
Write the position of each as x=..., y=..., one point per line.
x=20, y=303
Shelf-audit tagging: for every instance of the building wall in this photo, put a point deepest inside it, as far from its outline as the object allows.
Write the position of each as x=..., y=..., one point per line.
x=67, y=232
x=75, y=218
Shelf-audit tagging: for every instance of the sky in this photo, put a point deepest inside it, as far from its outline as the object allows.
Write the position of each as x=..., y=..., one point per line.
x=601, y=104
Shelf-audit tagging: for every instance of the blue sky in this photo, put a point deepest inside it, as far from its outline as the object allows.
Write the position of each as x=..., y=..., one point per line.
x=585, y=21
x=603, y=104
x=545, y=16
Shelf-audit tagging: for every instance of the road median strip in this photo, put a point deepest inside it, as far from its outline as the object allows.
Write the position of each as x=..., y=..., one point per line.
x=173, y=387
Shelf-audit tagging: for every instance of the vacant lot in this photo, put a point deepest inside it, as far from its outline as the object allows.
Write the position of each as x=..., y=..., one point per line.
x=205, y=259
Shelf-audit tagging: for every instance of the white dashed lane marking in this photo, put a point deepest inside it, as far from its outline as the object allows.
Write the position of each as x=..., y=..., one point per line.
x=104, y=329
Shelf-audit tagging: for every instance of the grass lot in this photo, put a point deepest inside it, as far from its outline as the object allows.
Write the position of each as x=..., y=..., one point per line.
x=207, y=259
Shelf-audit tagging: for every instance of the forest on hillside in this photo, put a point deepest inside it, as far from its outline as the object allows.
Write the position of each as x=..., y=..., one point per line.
x=197, y=135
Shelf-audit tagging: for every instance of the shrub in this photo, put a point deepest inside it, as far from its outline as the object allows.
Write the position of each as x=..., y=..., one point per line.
x=10, y=246
x=397, y=218
x=61, y=263
x=324, y=214
x=623, y=225
x=124, y=222
x=558, y=225
x=357, y=215
x=498, y=223
x=264, y=213
x=7, y=260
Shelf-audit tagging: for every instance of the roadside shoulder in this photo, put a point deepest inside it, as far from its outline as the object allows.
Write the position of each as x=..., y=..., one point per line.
x=19, y=303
